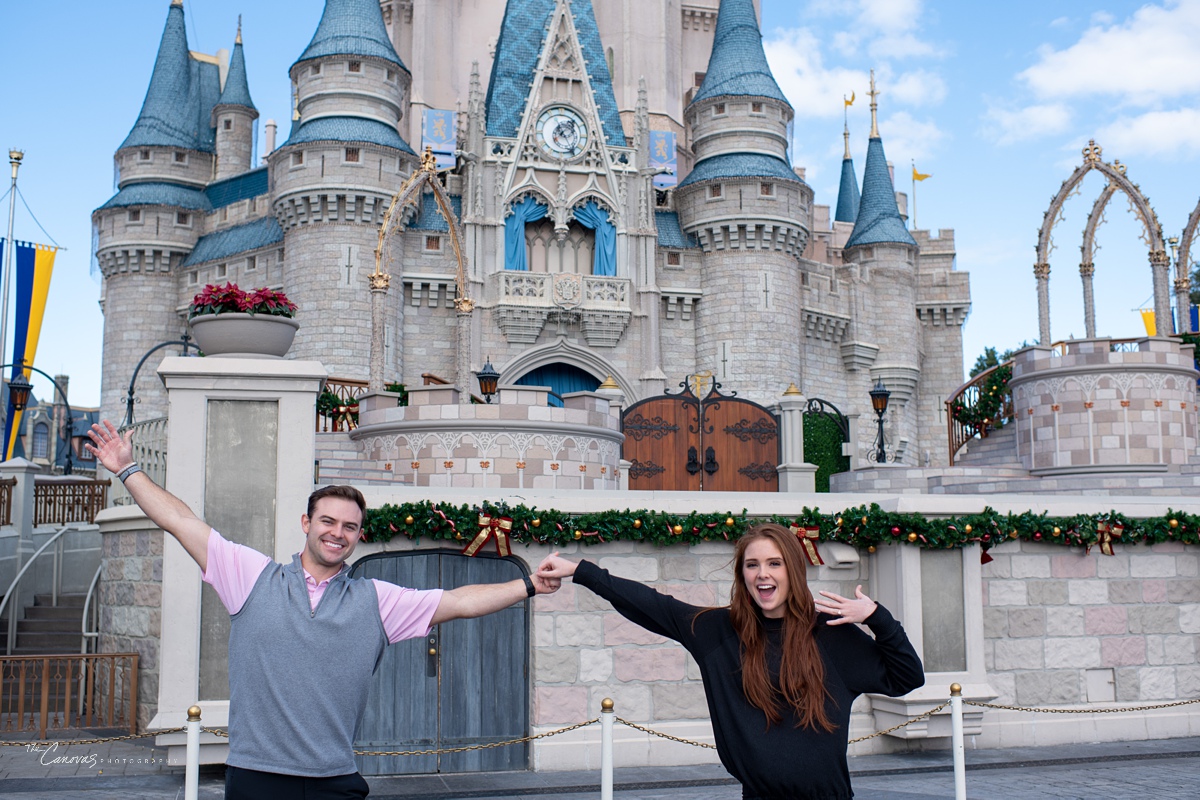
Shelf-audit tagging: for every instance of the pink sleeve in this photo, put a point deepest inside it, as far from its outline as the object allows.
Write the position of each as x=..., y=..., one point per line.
x=406, y=613
x=232, y=570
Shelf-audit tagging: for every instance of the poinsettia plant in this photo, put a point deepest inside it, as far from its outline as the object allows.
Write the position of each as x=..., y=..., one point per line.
x=229, y=299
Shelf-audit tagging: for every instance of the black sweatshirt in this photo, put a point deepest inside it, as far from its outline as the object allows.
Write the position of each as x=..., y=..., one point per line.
x=776, y=761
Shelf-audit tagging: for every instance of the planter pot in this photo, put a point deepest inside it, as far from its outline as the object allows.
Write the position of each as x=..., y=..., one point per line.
x=244, y=335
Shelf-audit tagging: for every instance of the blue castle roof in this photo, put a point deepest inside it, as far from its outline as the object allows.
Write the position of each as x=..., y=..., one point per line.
x=848, y=196
x=346, y=129
x=159, y=194
x=239, y=187
x=352, y=28
x=238, y=239
x=522, y=36
x=237, y=87
x=173, y=114
x=429, y=218
x=878, y=220
x=669, y=232
x=740, y=165
x=738, y=65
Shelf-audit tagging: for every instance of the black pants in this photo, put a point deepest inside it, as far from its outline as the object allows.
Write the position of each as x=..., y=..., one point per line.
x=249, y=784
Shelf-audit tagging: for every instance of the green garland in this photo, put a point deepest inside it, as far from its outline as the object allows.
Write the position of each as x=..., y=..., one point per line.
x=989, y=406
x=861, y=526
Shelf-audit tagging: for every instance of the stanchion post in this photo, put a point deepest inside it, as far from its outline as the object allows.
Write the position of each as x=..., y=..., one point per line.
x=191, y=776
x=606, y=747
x=956, y=732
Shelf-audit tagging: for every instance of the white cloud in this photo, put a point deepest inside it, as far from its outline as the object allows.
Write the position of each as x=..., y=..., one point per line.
x=908, y=138
x=1148, y=57
x=1162, y=133
x=918, y=88
x=1005, y=126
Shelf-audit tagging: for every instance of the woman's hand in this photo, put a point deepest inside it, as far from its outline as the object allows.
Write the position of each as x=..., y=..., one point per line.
x=553, y=566
x=844, y=609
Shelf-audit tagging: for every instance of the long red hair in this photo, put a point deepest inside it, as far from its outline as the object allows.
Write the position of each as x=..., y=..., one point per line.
x=801, y=671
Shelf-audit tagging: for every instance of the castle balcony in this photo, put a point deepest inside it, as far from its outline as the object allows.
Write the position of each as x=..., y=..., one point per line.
x=525, y=301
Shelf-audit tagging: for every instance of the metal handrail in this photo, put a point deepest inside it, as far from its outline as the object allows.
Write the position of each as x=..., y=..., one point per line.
x=85, y=634
x=12, y=587
x=958, y=433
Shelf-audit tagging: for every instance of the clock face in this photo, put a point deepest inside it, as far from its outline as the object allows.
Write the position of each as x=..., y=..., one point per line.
x=561, y=132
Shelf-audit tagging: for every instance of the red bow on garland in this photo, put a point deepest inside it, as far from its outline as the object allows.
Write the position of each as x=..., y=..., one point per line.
x=489, y=527
x=1105, y=533
x=808, y=537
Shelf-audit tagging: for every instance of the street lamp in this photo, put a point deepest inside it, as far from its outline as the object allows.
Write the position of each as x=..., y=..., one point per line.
x=184, y=340
x=879, y=402
x=488, y=377
x=18, y=394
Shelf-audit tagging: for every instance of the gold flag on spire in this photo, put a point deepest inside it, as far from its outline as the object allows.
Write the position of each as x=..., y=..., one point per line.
x=849, y=102
x=920, y=176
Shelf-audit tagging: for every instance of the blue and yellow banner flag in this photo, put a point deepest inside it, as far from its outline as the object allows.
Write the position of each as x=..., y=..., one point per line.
x=662, y=157
x=438, y=134
x=34, y=266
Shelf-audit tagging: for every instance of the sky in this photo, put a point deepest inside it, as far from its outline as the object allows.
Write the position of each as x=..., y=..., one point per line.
x=995, y=101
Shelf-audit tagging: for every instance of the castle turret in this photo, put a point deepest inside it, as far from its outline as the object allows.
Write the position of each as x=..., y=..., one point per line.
x=749, y=211
x=848, y=196
x=334, y=176
x=233, y=118
x=886, y=256
x=146, y=230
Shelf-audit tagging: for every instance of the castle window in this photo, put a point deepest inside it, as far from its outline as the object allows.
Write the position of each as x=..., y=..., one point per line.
x=135, y=215
x=221, y=271
x=316, y=69
x=674, y=258
x=224, y=213
x=41, y=440
x=433, y=244
x=227, y=124
x=756, y=108
x=719, y=110
x=766, y=190
x=351, y=155
x=391, y=76
x=144, y=155
x=354, y=66
x=251, y=263
x=298, y=158
x=194, y=278
x=183, y=218
x=714, y=191
x=180, y=157
x=698, y=78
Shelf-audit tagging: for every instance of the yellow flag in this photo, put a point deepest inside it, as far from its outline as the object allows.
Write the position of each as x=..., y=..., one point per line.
x=920, y=176
x=1149, y=321
x=849, y=102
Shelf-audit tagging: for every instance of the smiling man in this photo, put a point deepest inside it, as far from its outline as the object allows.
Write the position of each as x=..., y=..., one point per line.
x=305, y=637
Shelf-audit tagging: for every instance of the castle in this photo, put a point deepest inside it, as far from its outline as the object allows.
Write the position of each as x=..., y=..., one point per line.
x=626, y=198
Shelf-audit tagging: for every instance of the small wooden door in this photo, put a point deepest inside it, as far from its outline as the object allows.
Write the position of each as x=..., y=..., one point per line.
x=466, y=683
x=714, y=443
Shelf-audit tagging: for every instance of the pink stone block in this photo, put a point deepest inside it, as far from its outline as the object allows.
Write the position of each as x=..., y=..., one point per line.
x=1122, y=651
x=697, y=594
x=559, y=705
x=618, y=630
x=639, y=664
x=1072, y=566
x=1154, y=591
x=1105, y=620
x=562, y=600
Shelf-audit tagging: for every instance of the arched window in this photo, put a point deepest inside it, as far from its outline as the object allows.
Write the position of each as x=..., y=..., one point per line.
x=41, y=440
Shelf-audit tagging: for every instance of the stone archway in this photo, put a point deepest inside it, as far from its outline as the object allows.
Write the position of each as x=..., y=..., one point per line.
x=1159, y=261
x=1183, y=279
x=564, y=351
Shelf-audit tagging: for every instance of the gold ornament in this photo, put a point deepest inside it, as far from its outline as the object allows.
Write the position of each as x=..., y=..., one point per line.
x=871, y=548
x=457, y=535
x=864, y=520
x=839, y=522
x=537, y=523
x=678, y=529
x=912, y=537
x=578, y=535
x=968, y=529
x=1174, y=523
x=729, y=521
x=1012, y=534
x=1057, y=531
x=408, y=520
x=637, y=523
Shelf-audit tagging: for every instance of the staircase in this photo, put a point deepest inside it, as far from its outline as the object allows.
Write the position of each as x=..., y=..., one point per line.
x=46, y=629
x=999, y=449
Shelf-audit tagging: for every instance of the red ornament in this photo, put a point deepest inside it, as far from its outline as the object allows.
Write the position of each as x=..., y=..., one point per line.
x=895, y=531
x=1037, y=536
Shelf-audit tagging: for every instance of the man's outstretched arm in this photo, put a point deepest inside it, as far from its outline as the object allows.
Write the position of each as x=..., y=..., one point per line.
x=480, y=599
x=163, y=508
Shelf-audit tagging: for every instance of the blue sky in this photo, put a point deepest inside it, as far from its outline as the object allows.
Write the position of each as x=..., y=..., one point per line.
x=994, y=100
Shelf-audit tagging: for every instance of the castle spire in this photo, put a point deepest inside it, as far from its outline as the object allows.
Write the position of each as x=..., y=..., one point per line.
x=170, y=109
x=878, y=220
x=238, y=39
x=874, y=108
x=848, y=196
x=738, y=66
x=237, y=86
x=352, y=28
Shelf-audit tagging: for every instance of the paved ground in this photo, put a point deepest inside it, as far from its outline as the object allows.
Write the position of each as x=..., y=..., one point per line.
x=1159, y=769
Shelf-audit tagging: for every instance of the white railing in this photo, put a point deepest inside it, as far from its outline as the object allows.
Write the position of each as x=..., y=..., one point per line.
x=55, y=540
x=150, y=452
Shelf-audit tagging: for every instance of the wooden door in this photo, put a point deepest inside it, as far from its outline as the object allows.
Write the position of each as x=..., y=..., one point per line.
x=740, y=445
x=659, y=432
x=465, y=683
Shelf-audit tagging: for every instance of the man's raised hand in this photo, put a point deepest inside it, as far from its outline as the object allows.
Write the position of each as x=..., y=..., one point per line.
x=110, y=448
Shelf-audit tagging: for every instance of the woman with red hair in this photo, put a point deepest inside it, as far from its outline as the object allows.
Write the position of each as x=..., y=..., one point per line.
x=780, y=667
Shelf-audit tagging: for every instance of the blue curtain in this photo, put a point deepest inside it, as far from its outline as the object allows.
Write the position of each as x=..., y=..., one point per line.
x=528, y=210
x=561, y=378
x=605, y=261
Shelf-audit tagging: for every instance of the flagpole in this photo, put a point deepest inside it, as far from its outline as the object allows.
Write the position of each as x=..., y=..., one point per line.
x=914, y=193
x=14, y=158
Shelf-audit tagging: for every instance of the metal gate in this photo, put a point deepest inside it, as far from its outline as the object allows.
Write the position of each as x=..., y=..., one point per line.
x=466, y=683
x=697, y=441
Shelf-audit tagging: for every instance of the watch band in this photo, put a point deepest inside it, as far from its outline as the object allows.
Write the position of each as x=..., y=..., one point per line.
x=130, y=470
x=530, y=589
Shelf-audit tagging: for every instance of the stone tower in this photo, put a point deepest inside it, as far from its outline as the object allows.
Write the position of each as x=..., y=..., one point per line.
x=333, y=178
x=147, y=229
x=233, y=118
x=883, y=256
x=749, y=211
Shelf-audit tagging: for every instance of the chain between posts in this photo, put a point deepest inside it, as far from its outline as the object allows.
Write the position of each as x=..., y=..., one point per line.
x=104, y=740
x=1176, y=704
